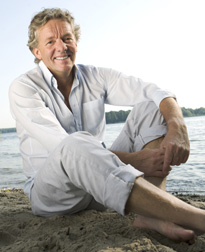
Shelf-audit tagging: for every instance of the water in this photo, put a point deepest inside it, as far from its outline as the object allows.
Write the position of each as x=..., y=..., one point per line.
x=187, y=178
x=11, y=172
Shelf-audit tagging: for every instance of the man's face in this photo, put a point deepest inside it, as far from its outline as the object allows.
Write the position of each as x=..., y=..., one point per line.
x=57, y=47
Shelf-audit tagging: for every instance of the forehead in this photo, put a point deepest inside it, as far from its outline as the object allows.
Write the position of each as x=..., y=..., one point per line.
x=54, y=27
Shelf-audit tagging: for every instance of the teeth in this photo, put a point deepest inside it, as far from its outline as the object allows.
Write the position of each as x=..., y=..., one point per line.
x=61, y=58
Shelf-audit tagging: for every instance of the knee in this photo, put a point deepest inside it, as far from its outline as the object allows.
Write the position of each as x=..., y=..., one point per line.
x=146, y=115
x=147, y=124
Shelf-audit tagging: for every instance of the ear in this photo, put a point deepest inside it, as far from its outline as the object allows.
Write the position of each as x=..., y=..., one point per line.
x=37, y=53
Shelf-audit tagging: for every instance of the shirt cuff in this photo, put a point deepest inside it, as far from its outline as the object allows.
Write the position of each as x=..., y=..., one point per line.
x=160, y=95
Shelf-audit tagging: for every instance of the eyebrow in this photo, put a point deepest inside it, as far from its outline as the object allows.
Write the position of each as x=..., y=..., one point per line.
x=49, y=38
x=66, y=34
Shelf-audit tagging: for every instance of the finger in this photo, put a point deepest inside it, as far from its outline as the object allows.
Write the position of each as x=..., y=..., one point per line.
x=180, y=156
x=166, y=172
x=167, y=159
x=159, y=174
x=185, y=156
x=177, y=155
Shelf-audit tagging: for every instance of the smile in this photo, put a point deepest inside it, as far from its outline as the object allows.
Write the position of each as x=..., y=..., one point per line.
x=62, y=58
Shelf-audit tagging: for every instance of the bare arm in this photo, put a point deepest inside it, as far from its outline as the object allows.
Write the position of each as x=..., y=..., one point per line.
x=149, y=161
x=176, y=142
x=173, y=150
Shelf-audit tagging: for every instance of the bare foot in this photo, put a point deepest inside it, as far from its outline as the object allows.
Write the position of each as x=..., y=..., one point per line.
x=166, y=228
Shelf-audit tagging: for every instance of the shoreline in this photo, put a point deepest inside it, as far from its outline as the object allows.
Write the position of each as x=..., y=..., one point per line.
x=87, y=231
x=175, y=193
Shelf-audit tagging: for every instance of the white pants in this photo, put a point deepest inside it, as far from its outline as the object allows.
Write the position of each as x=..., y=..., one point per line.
x=81, y=174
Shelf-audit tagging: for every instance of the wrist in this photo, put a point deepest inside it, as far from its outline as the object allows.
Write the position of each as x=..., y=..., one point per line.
x=176, y=123
x=123, y=156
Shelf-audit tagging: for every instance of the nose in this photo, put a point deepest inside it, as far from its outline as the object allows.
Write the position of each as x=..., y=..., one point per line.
x=60, y=45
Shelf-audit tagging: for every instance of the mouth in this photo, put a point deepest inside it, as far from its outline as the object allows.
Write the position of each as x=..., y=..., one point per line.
x=62, y=57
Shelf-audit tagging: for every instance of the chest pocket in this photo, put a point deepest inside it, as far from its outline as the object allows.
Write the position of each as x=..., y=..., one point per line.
x=93, y=116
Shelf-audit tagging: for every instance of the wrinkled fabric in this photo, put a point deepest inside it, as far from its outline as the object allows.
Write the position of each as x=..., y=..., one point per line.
x=43, y=120
x=82, y=174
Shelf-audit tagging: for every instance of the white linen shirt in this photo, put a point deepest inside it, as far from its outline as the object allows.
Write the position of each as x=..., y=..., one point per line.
x=43, y=120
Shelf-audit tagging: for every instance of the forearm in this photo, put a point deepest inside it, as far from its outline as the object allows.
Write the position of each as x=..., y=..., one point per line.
x=123, y=156
x=172, y=113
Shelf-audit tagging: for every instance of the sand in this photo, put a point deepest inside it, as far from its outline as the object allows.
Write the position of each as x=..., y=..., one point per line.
x=86, y=231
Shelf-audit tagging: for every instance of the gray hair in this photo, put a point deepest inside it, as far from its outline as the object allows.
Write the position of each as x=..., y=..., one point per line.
x=41, y=18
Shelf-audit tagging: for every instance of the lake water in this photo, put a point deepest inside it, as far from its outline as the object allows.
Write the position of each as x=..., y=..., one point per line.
x=187, y=178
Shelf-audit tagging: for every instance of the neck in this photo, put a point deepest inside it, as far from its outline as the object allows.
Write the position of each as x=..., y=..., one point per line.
x=65, y=85
x=65, y=79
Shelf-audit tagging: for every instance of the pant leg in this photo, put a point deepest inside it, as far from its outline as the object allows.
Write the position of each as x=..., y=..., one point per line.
x=144, y=124
x=79, y=170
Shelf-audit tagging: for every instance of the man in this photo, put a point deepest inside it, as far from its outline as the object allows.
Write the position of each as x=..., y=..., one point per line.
x=60, y=119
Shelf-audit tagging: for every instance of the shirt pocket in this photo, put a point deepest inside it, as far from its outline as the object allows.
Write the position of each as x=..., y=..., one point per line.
x=94, y=116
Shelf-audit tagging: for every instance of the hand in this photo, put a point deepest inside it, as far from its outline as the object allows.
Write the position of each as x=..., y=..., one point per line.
x=176, y=145
x=176, y=142
x=149, y=161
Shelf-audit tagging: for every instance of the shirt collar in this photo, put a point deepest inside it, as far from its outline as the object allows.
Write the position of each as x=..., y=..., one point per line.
x=48, y=76
x=50, y=79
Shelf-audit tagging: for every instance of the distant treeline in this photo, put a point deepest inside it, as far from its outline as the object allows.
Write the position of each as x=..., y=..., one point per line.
x=121, y=116
x=188, y=112
x=116, y=116
x=7, y=130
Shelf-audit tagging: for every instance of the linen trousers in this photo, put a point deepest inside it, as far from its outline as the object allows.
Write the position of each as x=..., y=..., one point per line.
x=81, y=174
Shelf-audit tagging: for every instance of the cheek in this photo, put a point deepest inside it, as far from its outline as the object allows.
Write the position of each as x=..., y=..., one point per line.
x=73, y=47
x=48, y=53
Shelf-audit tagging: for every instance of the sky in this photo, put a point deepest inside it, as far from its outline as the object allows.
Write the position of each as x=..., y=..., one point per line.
x=160, y=41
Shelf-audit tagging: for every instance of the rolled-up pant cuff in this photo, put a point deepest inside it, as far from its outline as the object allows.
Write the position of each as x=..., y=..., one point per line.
x=118, y=187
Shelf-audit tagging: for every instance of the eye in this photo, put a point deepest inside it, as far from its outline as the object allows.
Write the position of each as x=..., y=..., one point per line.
x=68, y=39
x=50, y=42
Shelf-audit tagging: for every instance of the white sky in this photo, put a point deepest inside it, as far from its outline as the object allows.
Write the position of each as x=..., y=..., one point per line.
x=161, y=41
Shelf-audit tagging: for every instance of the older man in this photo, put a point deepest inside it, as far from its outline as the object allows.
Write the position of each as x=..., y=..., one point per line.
x=60, y=119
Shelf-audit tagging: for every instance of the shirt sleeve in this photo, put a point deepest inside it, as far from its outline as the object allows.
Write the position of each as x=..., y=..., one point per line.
x=123, y=90
x=35, y=120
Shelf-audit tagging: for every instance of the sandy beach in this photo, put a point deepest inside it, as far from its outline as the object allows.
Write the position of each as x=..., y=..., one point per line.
x=87, y=231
